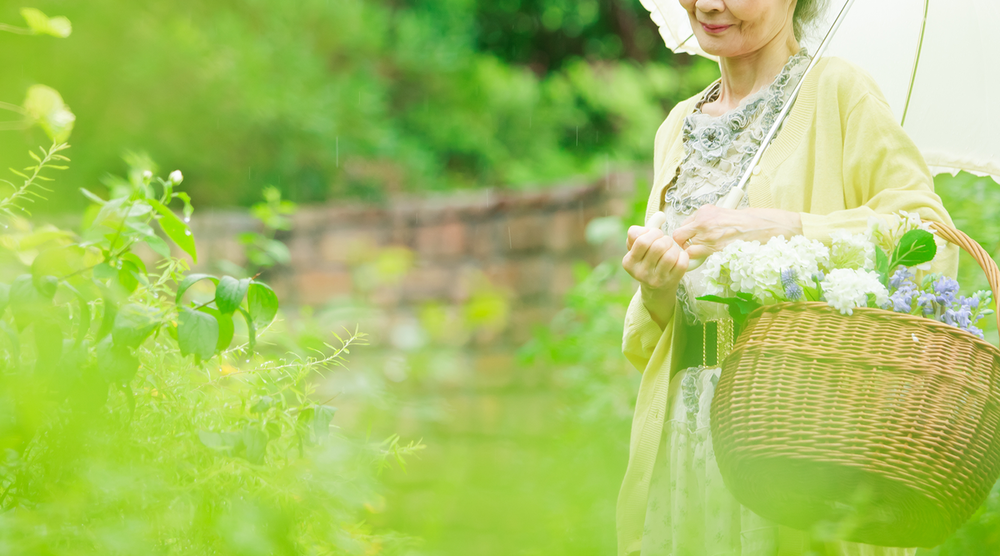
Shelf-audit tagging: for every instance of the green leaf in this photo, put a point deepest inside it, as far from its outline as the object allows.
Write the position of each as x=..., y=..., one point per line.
x=116, y=363
x=229, y=294
x=915, y=247
x=46, y=285
x=26, y=302
x=92, y=196
x=83, y=321
x=176, y=229
x=134, y=259
x=262, y=303
x=4, y=296
x=739, y=307
x=134, y=323
x=108, y=320
x=221, y=441
x=882, y=265
x=41, y=24
x=255, y=441
x=158, y=246
x=46, y=108
x=128, y=276
x=190, y=280
x=251, y=329
x=262, y=405
x=226, y=328
x=197, y=333
x=321, y=420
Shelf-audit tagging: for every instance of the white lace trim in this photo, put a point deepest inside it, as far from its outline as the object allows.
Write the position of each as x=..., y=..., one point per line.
x=717, y=152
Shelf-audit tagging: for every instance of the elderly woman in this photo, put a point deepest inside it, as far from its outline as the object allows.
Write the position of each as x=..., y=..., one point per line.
x=839, y=159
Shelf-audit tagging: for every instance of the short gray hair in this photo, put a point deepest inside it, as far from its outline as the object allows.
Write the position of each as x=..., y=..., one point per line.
x=806, y=12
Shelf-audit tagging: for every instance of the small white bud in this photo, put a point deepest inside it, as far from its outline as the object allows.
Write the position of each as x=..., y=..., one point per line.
x=147, y=175
x=176, y=177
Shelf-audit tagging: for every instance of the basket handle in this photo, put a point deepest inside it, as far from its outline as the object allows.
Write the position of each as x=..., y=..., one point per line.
x=973, y=248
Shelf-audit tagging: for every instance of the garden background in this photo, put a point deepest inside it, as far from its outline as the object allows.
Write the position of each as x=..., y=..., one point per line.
x=453, y=177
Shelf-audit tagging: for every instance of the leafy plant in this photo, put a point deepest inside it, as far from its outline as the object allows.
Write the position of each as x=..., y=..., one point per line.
x=136, y=415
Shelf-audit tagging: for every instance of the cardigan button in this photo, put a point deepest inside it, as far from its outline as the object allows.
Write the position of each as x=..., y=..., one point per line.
x=756, y=169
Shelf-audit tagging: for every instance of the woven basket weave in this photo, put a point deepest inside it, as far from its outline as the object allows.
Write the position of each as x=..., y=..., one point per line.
x=882, y=423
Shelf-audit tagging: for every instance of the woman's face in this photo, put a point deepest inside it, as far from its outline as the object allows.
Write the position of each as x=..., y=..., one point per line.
x=731, y=28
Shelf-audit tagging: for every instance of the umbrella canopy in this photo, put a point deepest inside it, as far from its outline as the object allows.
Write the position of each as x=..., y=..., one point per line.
x=937, y=63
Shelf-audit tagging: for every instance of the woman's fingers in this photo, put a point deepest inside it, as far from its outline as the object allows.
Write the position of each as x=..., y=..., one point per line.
x=672, y=265
x=685, y=233
x=699, y=251
x=642, y=243
x=657, y=220
x=633, y=234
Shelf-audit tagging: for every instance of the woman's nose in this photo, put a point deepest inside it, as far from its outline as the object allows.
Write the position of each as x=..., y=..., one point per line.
x=710, y=5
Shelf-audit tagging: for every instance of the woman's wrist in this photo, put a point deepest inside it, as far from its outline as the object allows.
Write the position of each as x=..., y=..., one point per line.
x=780, y=223
x=659, y=303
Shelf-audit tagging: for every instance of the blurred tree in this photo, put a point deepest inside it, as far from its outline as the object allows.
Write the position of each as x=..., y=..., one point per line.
x=353, y=98
x=545, y=34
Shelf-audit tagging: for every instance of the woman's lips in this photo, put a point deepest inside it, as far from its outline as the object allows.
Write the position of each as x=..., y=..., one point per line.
x=714, y=29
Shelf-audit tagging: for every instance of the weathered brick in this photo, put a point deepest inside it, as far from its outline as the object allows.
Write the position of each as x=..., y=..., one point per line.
x=562, y=279
x=525, y=232
x=429, y=282
x=524, y=318
x=566, y=231
x=317, y=287
x=303, y=253
x=483, y=240
x=342, y=246
x=443, y=240
x=531, y=275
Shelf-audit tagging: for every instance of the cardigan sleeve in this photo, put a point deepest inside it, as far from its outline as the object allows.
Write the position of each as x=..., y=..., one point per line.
x=641, y=334
x=884, y=172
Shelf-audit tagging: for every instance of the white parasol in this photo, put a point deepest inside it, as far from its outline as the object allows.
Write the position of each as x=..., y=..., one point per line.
x=937, y=63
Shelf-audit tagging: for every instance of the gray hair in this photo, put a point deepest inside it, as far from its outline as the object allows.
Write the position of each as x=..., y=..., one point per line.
x=806, y=12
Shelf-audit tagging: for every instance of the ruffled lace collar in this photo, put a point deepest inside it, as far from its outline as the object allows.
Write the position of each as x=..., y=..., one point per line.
x=717, y=149
x=717, y=152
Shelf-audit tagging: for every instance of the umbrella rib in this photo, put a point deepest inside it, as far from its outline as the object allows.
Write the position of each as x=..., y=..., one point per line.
x=916, y=62
x=684, y=41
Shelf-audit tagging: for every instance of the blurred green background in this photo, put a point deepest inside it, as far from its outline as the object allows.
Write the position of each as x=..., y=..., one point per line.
x=334, y=100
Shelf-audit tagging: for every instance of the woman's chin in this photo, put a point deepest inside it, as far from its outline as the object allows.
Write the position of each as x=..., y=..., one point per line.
x=714, y=46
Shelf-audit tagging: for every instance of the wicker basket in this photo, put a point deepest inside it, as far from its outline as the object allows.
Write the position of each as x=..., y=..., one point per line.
x=881, y=422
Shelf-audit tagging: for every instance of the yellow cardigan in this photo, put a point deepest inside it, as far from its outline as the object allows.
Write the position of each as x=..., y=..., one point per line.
x=839, y=158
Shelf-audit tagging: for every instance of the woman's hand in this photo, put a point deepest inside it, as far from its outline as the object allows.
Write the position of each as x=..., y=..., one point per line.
x=710, y=228
x=657, y=262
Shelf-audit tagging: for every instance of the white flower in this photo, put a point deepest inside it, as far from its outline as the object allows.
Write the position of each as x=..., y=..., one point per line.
x=911, y=221
x=854, y=251
x=147, y=175
x=728, y=269
x=176, y=177
x=846, y=288
x=749, y=267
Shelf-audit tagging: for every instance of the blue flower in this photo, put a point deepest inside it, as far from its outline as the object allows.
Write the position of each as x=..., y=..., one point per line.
x=945, y=288
x=926, y=302
x=902, y=300
x=793, y=291
x=900, y=278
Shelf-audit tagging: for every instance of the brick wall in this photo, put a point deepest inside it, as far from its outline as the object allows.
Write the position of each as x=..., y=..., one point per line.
x=521, y=245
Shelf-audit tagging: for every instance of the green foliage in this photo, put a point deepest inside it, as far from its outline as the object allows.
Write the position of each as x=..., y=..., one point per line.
x=133, y=421
x=354, y=98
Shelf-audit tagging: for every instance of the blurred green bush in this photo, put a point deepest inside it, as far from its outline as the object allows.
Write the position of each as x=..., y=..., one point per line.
x=350, y=98
x=136, y=415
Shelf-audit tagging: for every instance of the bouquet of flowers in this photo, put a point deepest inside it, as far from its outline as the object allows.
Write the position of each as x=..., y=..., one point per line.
x=871, y=269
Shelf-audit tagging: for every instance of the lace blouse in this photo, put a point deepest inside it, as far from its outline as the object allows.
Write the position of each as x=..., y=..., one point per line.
x=717, y=152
